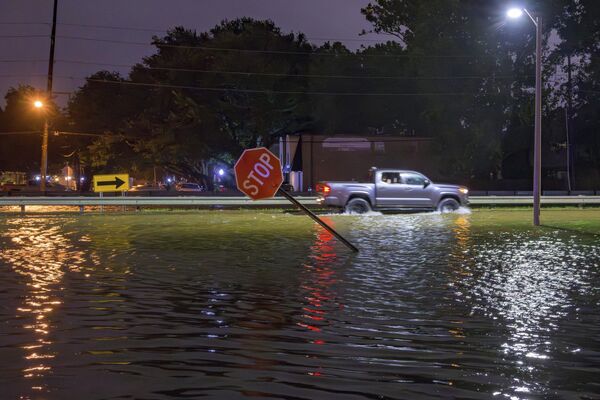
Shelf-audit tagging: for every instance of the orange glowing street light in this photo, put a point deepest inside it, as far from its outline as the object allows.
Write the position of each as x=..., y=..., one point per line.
x=39, y=104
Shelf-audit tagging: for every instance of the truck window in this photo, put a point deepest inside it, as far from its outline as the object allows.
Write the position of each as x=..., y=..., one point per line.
x=390, y=177
x=409, y=178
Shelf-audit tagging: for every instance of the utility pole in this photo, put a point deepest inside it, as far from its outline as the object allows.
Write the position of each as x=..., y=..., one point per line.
x=44, y=169
x=570, y=136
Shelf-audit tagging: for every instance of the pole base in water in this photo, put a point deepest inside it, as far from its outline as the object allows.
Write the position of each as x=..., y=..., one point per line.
x=318, y=220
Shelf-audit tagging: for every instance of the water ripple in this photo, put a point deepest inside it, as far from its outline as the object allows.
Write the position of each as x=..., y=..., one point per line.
x=236, y=305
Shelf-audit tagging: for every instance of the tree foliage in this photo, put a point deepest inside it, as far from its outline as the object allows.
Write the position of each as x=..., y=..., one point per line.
x=21, y=150
x=454, y=70
x=489, y=131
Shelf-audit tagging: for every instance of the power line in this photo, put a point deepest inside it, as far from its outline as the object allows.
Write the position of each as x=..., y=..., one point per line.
x=266, y=91
x=22, y=76
x=22, y=36
x=208, y=88
x=19, y=133
x=139, y=29
x=262, y=91
x=22, y=61
x=55, y=133
x=249, y=73
x=58, y=133
x=161, y=30
x=23, y=23
x=123, y=28
x=254, y=51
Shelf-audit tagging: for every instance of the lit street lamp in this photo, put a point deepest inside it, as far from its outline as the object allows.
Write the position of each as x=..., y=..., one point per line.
x=40, y=105
x=44, y=164
x=537, y=151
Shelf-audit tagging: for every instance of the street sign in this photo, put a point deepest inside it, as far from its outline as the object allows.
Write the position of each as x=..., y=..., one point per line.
x=111, y=183
x=258, y=173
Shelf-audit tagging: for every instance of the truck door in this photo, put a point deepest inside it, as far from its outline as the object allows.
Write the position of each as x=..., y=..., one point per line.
x=390, y=192
x=415, y=193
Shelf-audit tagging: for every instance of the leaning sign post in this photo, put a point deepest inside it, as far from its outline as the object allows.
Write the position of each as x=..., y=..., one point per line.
x=258, y=175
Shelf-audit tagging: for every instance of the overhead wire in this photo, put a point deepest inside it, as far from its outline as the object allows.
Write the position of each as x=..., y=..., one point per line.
x=244, y=73
x=23, y=23
x=290, y=92
x=55, y=133
x=23, y=36
x=257, y=51
x=22, y=75
x=266, y=91
x=21, y=61
x=251, y=73
x=161, y=30
x=283, y=52
x=19, y=133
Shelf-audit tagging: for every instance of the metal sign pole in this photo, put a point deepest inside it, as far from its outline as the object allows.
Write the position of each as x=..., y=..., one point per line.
x=318, y=220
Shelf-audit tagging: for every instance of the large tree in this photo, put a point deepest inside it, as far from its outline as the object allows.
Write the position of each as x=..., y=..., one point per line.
x=577, y=56
x=482, y=99
x=20, y=149
x=201, y=98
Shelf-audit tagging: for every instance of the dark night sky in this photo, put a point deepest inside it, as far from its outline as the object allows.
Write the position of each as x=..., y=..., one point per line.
x=318, y=19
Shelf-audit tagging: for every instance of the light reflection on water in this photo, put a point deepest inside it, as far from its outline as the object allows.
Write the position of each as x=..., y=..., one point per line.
x=235, y=305
x=40, y=254
x=528, y=285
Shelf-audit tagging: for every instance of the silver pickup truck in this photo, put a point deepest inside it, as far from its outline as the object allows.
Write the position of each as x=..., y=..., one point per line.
x=392, y=190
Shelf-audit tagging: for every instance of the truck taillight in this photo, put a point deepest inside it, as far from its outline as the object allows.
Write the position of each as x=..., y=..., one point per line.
x=324, y=189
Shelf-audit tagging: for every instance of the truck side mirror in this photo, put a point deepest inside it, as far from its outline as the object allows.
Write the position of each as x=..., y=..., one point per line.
x=426, y=183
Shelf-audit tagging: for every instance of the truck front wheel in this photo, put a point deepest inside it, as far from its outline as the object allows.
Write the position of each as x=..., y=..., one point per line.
x=448, y=205
x=358, y=206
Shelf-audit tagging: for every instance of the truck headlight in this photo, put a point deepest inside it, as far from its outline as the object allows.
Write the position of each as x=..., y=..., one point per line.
x=463, y=190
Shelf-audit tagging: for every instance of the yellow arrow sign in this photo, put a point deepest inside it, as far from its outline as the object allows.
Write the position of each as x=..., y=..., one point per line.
x=111, y=183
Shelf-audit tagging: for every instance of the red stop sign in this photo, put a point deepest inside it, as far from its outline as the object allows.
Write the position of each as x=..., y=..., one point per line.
x=258, y=173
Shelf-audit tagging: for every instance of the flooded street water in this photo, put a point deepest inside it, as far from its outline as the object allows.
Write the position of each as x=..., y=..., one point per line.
x=265, y=304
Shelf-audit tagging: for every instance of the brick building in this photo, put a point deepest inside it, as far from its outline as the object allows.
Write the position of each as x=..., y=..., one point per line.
x=310, y=158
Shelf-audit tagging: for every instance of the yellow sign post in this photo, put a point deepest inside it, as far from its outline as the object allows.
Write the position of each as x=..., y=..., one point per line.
x=111, y=183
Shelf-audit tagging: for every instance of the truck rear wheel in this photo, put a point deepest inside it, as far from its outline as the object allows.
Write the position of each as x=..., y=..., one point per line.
x=448, y=205
x=358, y=206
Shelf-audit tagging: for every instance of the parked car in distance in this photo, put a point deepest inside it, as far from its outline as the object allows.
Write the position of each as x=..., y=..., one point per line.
x=189, y=187
x=147, y=188
x=287, y=187
x=392, y=190
x=31, y=186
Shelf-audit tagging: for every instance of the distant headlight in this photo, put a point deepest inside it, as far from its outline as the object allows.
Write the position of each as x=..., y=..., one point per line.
x=463, y=190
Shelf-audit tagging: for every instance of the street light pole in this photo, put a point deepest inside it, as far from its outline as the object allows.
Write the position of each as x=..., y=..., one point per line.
x=537, y=142
x=537, y=146
x=44, y=166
